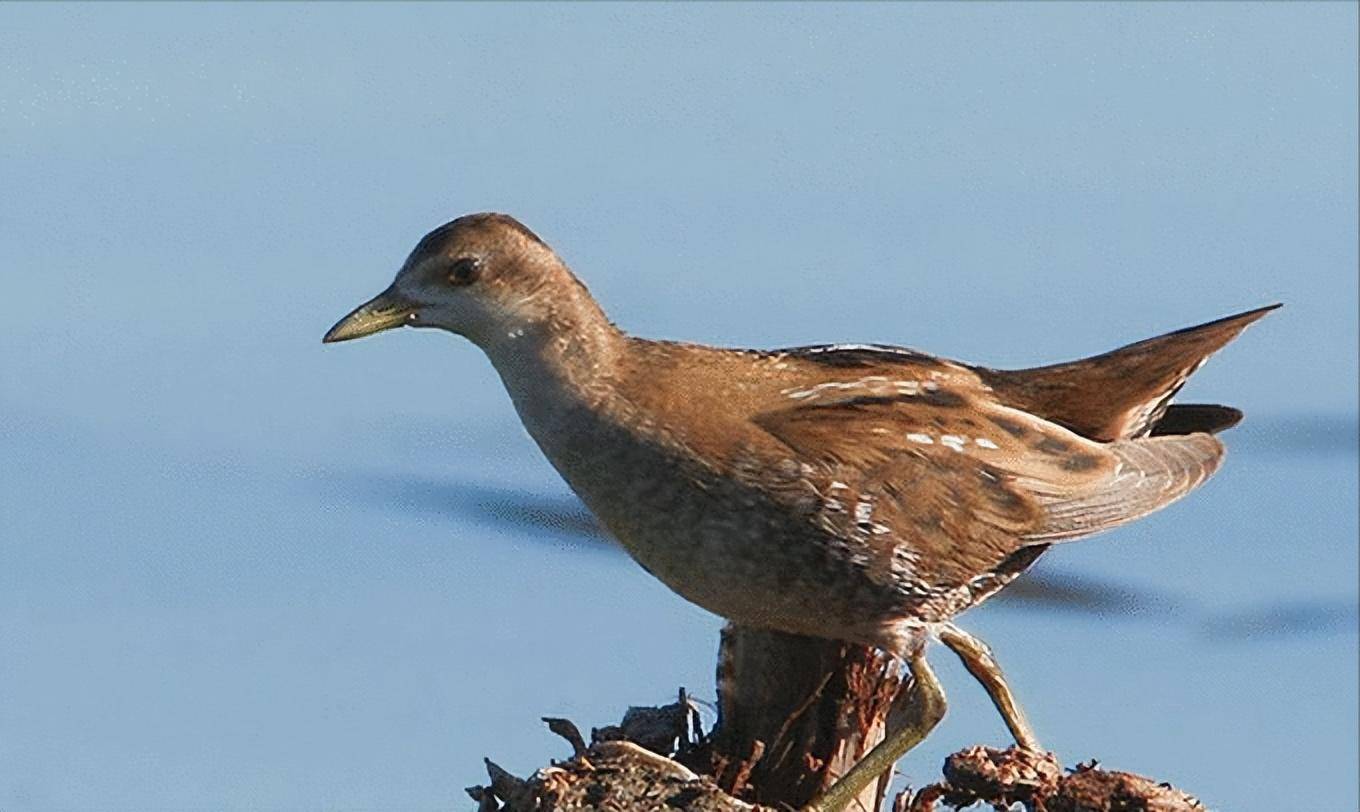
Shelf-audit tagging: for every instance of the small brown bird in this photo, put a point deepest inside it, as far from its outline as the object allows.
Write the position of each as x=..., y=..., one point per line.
x=856, y=492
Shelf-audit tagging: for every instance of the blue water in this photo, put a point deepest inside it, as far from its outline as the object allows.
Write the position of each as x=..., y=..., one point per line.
x=241, y=571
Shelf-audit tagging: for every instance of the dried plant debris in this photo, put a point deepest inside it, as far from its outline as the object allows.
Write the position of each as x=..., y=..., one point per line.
x=1004, y=778
x=610, y=775
x=628, y=767
x=567, y=730
x=625, y=767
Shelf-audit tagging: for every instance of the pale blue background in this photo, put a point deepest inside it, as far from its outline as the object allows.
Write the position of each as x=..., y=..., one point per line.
x=239, y=570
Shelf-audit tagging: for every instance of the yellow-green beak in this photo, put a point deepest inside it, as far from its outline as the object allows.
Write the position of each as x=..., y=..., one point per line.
x=383, y=312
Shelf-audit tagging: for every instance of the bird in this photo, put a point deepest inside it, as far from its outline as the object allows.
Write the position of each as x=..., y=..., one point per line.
x=864, y=493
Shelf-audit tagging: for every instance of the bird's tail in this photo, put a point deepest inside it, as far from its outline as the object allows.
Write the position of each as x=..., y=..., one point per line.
x=1126, y=393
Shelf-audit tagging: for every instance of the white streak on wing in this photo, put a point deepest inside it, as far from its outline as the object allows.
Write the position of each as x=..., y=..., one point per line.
x=870, y=347
x=872, y=383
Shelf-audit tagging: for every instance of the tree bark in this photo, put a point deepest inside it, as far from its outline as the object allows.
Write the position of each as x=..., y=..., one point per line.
x=795, y=713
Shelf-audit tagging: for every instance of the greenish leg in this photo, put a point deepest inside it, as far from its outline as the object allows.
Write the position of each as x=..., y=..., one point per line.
x=928, y=709
x=978, y=659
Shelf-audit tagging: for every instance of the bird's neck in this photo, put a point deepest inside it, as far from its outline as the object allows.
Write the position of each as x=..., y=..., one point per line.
x=560, y=369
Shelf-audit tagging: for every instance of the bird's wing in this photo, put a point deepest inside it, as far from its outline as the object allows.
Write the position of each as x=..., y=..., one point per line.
x=958, y=474
x=1150, y=474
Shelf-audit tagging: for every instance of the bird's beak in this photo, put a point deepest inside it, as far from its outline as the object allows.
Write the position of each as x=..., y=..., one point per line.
x=383, y=312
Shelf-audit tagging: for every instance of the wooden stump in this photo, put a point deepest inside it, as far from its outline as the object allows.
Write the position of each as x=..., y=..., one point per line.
x=795, y=713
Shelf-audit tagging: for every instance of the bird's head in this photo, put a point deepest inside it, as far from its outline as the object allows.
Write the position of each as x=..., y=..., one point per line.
x=484, y=276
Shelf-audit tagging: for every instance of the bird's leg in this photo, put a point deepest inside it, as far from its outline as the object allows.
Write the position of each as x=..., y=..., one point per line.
x=928, y=705
x=978, y=659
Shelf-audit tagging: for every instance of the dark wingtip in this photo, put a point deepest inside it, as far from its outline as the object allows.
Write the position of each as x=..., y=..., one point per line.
x=1249, y=316
x=1237, y=320
x=1188, y=418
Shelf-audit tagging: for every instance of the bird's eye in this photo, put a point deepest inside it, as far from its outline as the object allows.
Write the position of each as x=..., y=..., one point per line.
x=464, y=271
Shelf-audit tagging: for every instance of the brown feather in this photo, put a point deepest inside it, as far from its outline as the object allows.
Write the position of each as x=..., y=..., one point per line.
x=1123, y=393
x=919, y=474
x=1152, y=473
x=1189, y=418
x=943, y=483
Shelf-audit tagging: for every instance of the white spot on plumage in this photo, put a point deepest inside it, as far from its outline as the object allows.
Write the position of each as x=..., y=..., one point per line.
x=918, y=437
